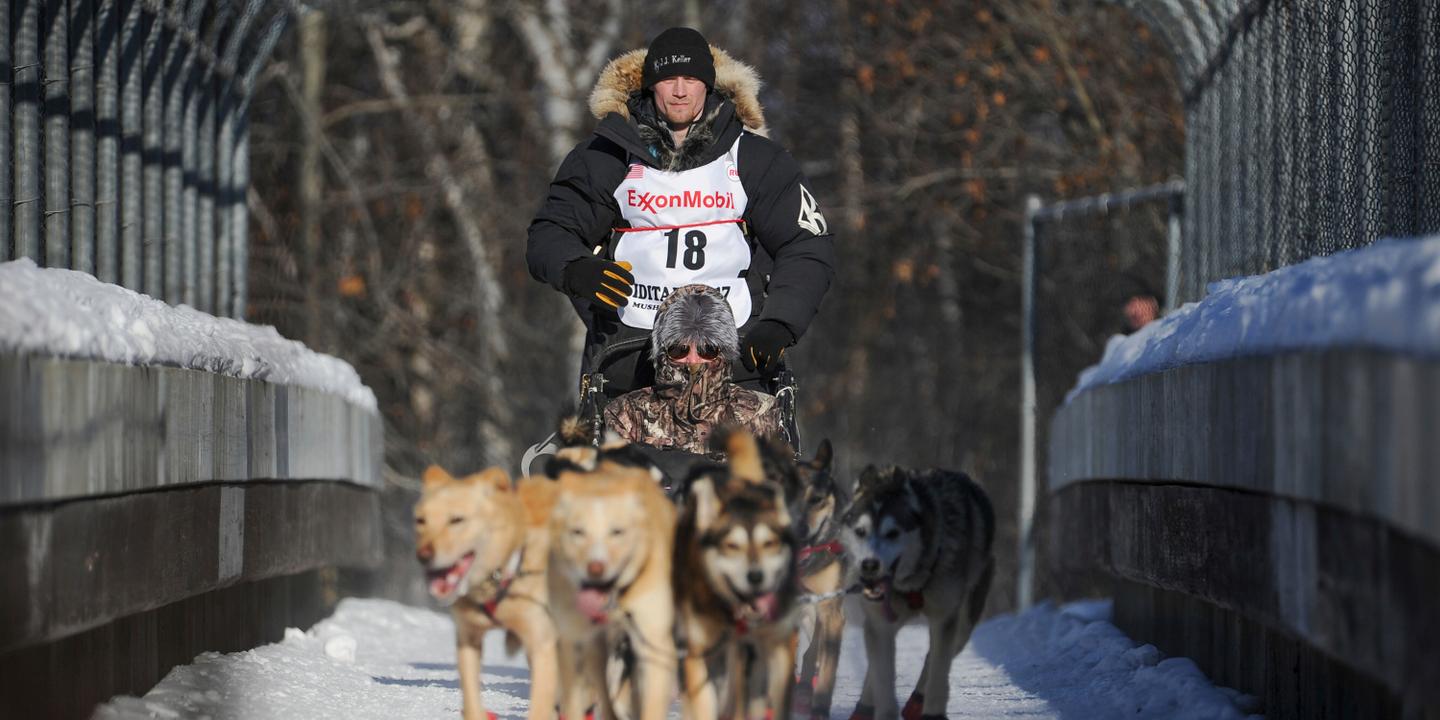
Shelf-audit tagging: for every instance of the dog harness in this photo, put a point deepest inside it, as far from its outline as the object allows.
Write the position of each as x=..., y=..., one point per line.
x=502, y=580
x=683, y=227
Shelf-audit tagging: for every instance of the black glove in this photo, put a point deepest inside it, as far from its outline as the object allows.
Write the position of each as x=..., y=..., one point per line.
x=604, y=283
x=763, y=347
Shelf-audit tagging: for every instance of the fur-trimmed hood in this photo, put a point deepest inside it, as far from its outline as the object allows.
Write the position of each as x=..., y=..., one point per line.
x=734, y=80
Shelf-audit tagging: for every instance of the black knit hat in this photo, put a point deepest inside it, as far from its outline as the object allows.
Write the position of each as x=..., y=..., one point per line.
x=678, y=51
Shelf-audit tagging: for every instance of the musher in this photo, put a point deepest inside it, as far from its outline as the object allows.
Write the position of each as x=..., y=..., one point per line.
x=679, y=185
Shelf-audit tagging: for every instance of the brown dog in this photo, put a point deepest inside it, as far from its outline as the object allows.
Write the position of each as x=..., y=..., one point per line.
x=824, y=575
x=485, y=547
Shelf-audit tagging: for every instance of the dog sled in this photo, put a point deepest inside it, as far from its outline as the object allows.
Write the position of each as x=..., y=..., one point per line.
x=593, y=398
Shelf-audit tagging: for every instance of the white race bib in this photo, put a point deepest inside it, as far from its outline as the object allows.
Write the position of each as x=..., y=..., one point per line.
x=684, y=229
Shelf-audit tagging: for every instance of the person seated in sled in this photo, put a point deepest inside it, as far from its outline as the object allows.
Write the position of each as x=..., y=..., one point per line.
x=678, y=185
x=693, y=345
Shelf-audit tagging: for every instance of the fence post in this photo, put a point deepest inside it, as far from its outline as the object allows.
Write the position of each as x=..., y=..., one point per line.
x=1026, y=555
x=7, y=188
x=1176, y=208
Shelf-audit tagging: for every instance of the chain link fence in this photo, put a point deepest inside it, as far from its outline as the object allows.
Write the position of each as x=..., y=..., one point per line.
x=123, y=140
x=1312, y=126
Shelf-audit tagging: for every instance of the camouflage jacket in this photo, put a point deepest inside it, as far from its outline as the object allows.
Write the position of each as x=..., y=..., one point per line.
x=659, y=419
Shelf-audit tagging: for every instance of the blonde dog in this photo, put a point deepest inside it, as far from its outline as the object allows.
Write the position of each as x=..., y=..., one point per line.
x=485, y=547
x=609, y=580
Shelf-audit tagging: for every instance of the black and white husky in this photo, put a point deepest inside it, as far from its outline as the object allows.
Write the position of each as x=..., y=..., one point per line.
x=920, y=541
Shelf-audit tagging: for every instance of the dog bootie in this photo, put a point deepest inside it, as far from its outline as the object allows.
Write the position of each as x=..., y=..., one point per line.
x=863, y=712
x=800, y=699
x=914, y=707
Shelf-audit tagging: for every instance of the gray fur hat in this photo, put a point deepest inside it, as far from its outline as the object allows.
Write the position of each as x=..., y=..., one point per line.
x=695, y=314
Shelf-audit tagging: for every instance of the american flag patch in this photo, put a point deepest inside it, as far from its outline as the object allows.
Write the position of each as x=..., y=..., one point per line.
x=637, y=171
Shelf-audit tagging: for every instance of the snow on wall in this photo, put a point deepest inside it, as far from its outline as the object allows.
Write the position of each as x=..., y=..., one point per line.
x=1385, y=296
x=70, y=314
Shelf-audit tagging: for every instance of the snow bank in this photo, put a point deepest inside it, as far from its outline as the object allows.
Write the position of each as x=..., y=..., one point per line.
x=371, y=659
x=70, y=314
x=1384, y=296
x=378, y=659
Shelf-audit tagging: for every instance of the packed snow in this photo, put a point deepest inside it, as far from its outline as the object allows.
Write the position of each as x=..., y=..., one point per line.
x=379, y=659
x=70, y=314
x=1385, y=296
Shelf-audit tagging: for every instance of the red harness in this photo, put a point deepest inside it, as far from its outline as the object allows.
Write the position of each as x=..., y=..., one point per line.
x=833, y=547
x=489, y=606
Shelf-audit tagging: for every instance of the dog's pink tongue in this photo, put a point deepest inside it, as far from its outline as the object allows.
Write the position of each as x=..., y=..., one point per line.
x=592, y=603
x=440, y=586
x=765, y=605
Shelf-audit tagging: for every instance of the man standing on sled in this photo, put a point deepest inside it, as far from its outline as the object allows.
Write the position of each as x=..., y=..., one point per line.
x=679, y=185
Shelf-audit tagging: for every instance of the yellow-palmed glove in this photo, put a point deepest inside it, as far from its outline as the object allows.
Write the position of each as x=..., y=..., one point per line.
x=605, y=283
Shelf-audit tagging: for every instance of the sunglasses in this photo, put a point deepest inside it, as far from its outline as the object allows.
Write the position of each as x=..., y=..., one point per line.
x=678, y=351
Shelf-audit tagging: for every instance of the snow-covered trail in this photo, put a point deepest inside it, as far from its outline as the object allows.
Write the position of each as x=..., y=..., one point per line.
x=378, y=659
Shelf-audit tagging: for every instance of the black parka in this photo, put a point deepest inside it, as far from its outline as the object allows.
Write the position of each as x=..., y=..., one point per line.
x=792, y=265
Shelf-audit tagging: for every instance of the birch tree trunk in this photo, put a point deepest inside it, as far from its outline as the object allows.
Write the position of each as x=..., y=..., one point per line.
x=567, y=71
x=312, y=178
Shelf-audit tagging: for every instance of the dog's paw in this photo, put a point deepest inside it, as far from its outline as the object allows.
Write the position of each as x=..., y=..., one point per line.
x=863, y=712
x=800, y=699
x=914, y=707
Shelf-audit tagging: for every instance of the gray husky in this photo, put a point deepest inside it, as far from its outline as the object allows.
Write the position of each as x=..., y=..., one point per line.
x=920, y=541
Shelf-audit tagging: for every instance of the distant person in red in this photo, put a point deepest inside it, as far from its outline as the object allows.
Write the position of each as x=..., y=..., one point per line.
x=1139, y=304
x=1141, y=310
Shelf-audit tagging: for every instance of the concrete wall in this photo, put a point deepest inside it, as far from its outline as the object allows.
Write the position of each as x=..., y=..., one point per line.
x=150, y=514
x=1276, y=519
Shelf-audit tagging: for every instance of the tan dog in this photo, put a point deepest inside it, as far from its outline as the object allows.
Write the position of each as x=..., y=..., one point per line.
x=609, y=579
x=737, y=593
x=485, y=548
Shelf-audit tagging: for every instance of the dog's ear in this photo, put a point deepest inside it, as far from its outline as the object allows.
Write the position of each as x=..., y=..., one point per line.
x=435, y=475
x=744, y=455
x=707, y=502
x=490, y=479
x=575, y=431
x=869, y=477
x=497, y=478
x=824, y=455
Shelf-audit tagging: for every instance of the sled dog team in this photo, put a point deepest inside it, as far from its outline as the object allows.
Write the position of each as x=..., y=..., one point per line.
x=623, y=598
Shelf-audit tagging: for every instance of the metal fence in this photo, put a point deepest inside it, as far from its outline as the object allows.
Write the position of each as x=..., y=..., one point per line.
x=1311, y=126
x=1082, y=259
x=123, y=140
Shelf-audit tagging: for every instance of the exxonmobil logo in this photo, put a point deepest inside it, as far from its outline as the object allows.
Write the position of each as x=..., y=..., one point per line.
x=688, y=199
